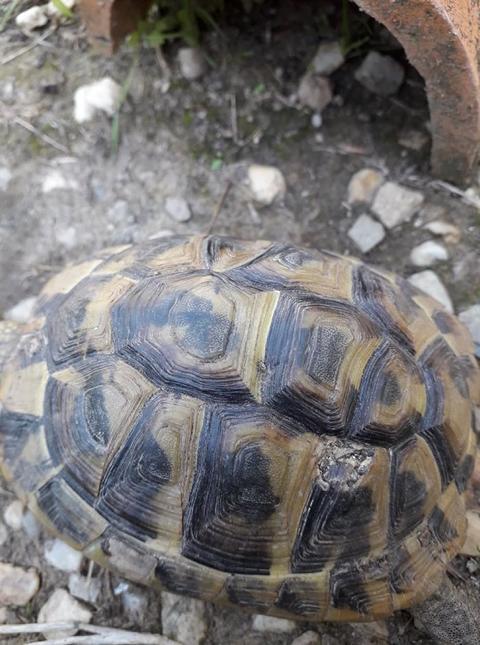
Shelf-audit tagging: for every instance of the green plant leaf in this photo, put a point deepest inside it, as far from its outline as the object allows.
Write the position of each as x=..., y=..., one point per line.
x=63, y=9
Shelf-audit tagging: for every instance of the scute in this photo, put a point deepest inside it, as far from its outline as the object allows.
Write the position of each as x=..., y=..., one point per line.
x=253, y=423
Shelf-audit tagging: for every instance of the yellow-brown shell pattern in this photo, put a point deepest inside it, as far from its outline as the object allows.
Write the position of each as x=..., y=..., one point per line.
x=272, y=427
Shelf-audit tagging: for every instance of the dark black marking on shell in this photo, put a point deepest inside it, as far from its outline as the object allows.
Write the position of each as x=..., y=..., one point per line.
x=369, y=292
x=257, y=275
x=389, y=391
x=326, y=349
x=347, y=589
x=214, y=246
x=442, y=452
x=247, y=592
x=377, y=384
x=179, y=579
x=439, y=357
x=464, y=472
x=133, y=479
x=54, y=500
x=440, y=527
x=231, y=489
x=332, y=520
x=149, y=310
x=408, y=495
x=290, y=350
x=15, y=430
x=67, y=335
x=298, y=597
x=205, y=334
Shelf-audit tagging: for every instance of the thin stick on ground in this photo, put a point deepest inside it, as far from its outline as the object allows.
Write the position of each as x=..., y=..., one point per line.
x=44, y=137
x=98, y=635
x=106, y=639
x=219, y=207
x=28, y=48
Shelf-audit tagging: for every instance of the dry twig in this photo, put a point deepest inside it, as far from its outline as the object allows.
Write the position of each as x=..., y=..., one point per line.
x=219, y=207
x=44, y=137
x=98, y=635
x=28, y=48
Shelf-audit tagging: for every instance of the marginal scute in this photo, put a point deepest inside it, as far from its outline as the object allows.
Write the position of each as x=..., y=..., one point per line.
x=68, y=513
x=23, y=390
x=304, y=597
x=277, y=428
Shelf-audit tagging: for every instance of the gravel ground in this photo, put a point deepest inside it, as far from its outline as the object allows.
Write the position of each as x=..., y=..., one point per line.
x=67, y=189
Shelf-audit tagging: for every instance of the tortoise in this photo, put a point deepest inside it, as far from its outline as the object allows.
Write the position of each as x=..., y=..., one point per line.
x=273, y=427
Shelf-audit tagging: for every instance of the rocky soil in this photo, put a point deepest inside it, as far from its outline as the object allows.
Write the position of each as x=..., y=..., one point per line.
x=267, y=140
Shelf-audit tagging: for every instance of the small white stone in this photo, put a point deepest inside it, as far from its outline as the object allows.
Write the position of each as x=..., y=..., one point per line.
x=380, y=74
x=135, y=602
x=192, y=62
x=52, y=9
x=366, y=233
x=183, y=619
x=178, y=209
x=5, y=178
x=30, y=525
x=317, y=120
x=87, y=589
x=32, y=18
x=22, y=312
x=450, y=233
x=103, y=95
x=472, y=196
x=266, y=183
x=3, y=533
x=61, y=607
x=271, y=624
x=471, y=319
x=308, y=638
x=429, y=282
x=56, y=180
x=395, y=204
x=61, y=556
x=328, y=58
x=363, y=185
x=13, y=515
x=315, y=91
x=17, y=585
x=67, y=237
x=120, y=588
x=428, y=253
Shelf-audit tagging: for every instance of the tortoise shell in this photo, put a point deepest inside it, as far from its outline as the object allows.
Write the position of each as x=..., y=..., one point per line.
x=281, y=429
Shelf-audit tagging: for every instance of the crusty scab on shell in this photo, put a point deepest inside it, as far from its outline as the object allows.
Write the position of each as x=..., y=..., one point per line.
x=277, y=428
